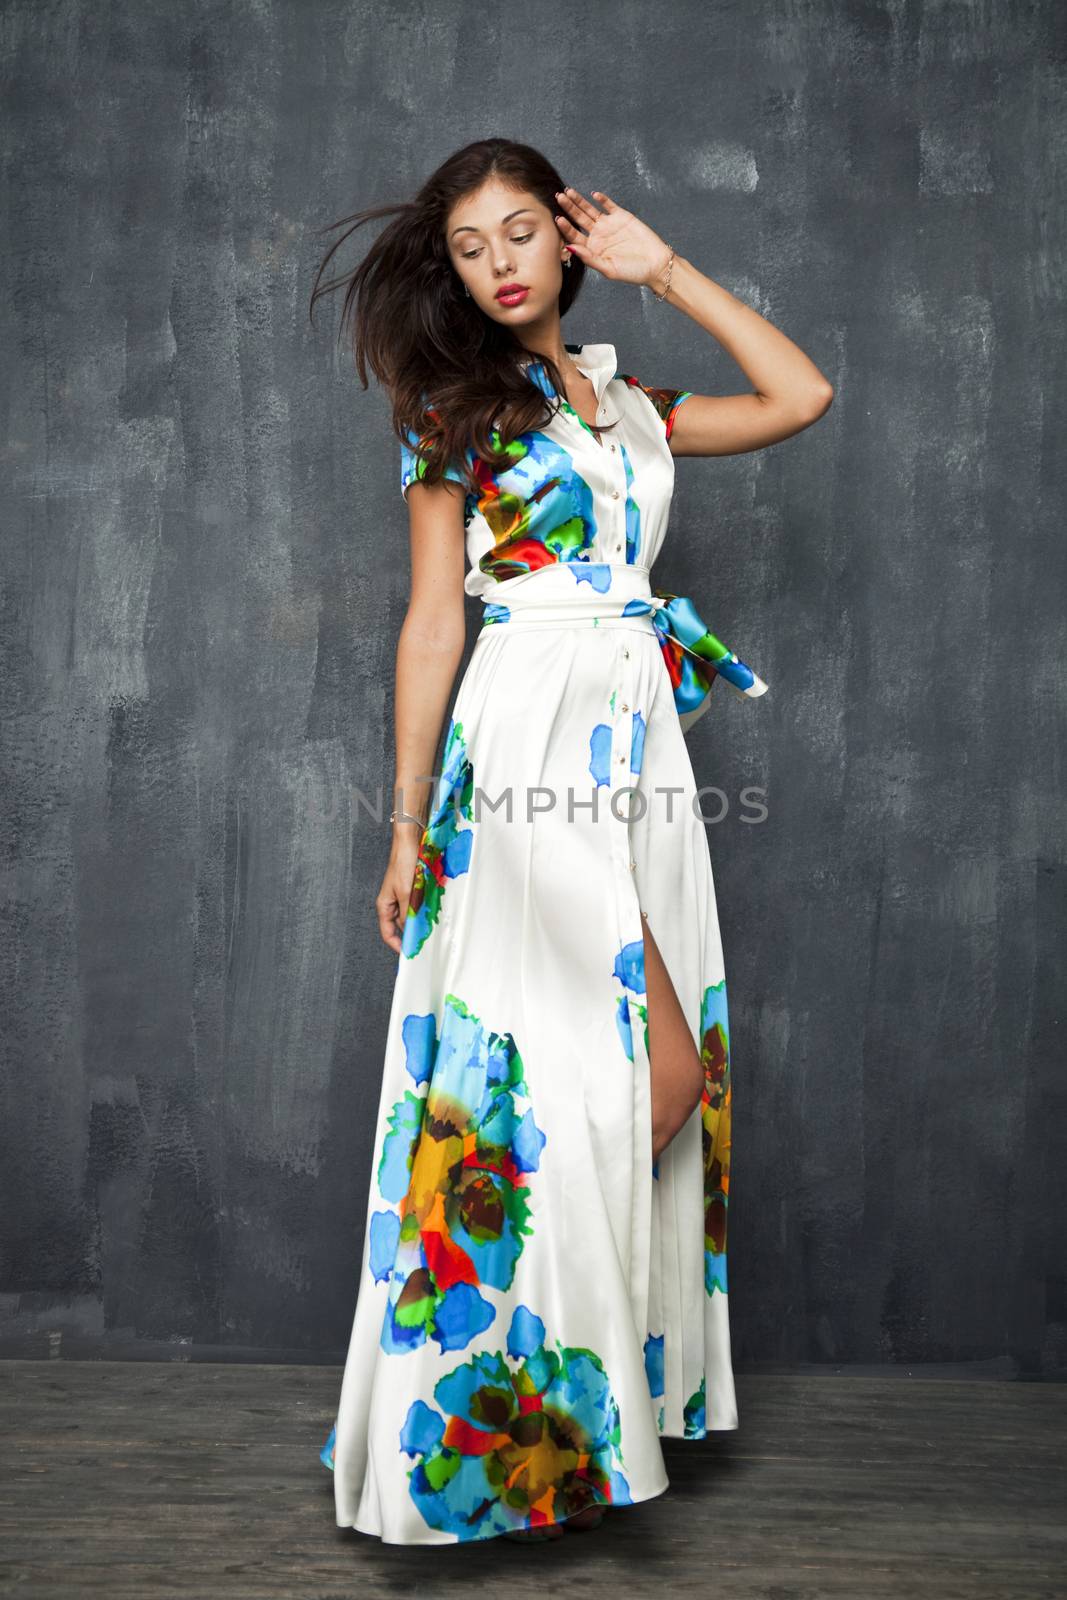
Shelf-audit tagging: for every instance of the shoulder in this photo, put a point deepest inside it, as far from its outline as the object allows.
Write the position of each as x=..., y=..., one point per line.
x=419, y=443
x=664, y=400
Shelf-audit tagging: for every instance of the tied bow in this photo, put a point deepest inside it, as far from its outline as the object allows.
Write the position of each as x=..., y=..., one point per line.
x=694, y=657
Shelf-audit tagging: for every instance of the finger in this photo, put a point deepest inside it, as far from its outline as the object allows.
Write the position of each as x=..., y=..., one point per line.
x=605, y=201
x=387, y=923
x=568, y=230
x=587, y=214
x=572, y=215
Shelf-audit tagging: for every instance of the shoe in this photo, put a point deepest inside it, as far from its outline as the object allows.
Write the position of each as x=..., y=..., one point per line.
x=586, y=1520
x=538, y=1535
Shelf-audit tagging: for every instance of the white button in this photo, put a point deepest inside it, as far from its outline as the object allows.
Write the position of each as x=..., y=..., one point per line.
x=626, y=652
x=633, y=865
x=622, y=758
x=614, y=494
x=625, y=707
x=613, y=447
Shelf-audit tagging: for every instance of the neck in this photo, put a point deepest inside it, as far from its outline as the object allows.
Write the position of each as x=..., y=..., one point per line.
x=553, y=349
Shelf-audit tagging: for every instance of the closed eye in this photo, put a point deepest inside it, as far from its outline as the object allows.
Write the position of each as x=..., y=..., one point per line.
x=469, y=255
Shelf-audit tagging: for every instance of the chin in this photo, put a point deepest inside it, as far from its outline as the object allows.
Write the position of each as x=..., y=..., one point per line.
x=517, y=316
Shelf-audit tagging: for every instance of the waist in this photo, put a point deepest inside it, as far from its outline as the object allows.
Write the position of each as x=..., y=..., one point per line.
x=605, y=594
x=576, y=594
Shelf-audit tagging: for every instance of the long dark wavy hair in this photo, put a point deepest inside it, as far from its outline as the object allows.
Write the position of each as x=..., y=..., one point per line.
x=451, y=373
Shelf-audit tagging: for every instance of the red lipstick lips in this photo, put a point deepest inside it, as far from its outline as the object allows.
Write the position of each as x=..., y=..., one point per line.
x=512, y=294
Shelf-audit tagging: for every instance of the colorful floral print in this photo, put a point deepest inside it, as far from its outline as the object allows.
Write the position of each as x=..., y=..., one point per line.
x=634, y=538
x=539, y=509
x=637, y=742
x=414, y=460
x=715, y=1123
x=521, y=1438
x=597, y=574
x=600, y=748
x=654, y=1364
x=629, y=969
x=654, y=1373
x=694, y=656
x=666, y=401
x=455, y=1164
x=445, y=846
x=693, y=1415
x=600, y=753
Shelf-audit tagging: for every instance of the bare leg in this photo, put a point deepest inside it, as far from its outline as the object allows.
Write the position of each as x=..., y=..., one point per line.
x=677, y=1070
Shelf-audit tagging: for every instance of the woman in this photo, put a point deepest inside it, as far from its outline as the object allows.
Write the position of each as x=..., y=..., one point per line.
x=543, y=1285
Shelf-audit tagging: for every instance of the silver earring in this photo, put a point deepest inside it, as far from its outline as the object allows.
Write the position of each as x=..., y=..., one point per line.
x=566, y=260
x=466, y=291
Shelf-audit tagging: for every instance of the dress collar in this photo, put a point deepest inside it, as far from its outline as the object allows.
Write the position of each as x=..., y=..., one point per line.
x=597, y=361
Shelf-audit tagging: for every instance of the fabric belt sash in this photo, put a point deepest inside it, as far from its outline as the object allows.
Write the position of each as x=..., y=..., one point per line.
x=615, y=595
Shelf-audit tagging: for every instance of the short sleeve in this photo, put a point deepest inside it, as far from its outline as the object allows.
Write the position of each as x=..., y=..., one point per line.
x=412, y=466
x=666, y=401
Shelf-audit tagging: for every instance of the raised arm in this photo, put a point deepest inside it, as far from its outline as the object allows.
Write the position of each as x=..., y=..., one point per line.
x=789, y=392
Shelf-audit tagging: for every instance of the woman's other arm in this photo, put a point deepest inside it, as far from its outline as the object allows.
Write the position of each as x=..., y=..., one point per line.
x=429, y=650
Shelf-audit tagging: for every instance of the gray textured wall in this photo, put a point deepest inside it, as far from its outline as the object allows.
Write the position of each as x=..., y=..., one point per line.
x=205, y=565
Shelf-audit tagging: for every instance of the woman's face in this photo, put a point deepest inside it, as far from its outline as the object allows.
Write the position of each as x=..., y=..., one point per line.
x=500, y=237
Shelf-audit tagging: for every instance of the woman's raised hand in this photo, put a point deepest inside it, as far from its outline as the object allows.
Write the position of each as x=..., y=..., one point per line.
x=611, y=239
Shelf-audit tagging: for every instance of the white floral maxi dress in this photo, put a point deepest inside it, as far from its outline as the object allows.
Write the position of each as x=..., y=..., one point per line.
x=538, y=1304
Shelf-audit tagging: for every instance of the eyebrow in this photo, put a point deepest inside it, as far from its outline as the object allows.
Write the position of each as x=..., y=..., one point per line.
x=466, y=228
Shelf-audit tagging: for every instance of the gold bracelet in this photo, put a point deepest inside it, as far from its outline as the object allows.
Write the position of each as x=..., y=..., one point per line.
x=667, y=286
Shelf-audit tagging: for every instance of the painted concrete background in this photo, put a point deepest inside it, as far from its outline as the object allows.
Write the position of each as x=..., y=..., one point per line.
x=205, y=567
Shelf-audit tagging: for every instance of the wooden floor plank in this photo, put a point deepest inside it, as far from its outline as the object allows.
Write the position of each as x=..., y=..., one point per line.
x=141, y=1481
